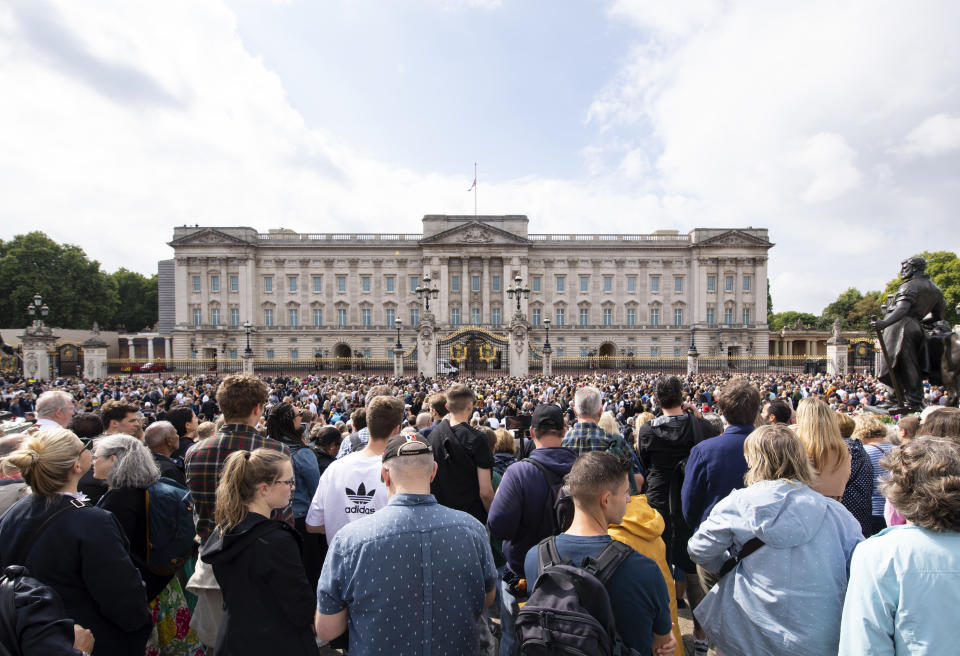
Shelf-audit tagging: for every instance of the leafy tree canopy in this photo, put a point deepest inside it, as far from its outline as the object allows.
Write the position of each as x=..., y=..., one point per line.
x=72, y=285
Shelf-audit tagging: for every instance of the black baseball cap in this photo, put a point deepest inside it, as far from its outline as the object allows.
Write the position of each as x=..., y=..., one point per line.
x=406, y=445
x=547, y=416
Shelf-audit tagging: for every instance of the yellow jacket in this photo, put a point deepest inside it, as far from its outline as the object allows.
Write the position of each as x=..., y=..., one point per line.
x=641, y=529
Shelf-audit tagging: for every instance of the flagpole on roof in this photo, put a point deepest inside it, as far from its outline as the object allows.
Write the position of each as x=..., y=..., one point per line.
x=474, y=190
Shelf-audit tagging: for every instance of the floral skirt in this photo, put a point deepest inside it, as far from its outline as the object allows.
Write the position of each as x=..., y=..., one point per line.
x=172, y=635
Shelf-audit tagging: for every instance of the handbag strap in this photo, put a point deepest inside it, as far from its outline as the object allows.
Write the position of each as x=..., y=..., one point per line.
x=748, y=548
x=18, y=555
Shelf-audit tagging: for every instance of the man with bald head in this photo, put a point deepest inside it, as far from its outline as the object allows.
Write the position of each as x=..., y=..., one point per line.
x=54, y=410
x=162, y=440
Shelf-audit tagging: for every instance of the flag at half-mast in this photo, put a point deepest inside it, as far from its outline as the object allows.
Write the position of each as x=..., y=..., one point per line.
x=474, y=185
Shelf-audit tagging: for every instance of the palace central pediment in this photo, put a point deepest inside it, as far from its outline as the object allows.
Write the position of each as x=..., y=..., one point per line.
x=474, y=232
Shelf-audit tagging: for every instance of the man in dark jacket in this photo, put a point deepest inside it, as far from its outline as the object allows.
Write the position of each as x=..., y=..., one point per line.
x=518, y=509
x=716, y=467
x=162, y=440
x=464, y=458
x=662, y=445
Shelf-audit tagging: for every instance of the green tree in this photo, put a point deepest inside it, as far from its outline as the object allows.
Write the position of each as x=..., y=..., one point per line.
x=73, y=286
x=769, y=303
x=943, y=267
x=843, y=306
x=789, y=319
x=137, y=308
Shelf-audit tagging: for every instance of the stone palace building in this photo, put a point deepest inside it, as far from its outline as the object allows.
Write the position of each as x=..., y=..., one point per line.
x=340, y=294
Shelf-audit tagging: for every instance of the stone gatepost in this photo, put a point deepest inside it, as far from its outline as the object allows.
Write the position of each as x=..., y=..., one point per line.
x=837, y=356
x=95, y=357
x=519, y=346
x=547, y=359
x=693, y=361
x=37, y=342
x=427, y=346
x=398, y=362
x=247, y=365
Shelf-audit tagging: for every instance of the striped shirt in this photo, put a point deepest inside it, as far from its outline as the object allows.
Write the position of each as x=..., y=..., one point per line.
x=875, y=452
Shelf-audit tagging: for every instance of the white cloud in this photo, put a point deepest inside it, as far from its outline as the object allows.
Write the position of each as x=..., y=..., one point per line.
x=829, y=160
x=936, y=135
x=789, y=116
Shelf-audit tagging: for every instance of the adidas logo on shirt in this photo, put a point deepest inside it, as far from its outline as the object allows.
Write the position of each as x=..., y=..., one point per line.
x=360, y=498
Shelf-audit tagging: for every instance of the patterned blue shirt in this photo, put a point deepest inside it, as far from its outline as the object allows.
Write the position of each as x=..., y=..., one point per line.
x=413, y=577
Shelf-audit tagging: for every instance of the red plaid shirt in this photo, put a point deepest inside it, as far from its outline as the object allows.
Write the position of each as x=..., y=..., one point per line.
x=203, y=464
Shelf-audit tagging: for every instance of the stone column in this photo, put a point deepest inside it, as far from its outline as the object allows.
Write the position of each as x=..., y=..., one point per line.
x=427, y=346
x=693, y=362
x=547, y=360
x=94, y=358
x=837, y=356
x=150, y=348
x=443, y=311
x=485, y=292
x=167, y=347
x=519, y=346
x=398, y=362
x=247, y=363
x=37, y=343
x=131, y=349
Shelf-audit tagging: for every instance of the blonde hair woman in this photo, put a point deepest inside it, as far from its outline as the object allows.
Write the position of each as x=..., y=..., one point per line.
x=801, y=545
x=78, y=550
x=269, y=603
x=817, y=426
x=873, y=434
x=609, y=423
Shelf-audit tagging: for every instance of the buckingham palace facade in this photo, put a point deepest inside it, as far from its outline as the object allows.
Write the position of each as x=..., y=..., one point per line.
x=339, y=294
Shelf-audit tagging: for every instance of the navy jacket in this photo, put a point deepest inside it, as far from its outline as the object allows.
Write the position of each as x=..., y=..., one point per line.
x=40, y=625
x=715, y=468
x=84, y=556
x=517, y=508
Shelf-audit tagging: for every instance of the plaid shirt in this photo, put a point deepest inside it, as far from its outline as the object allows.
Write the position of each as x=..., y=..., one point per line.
x=587, y=436
x=203, y=464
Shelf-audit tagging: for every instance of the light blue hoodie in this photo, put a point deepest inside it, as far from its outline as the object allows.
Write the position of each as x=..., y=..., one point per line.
x=787, y=597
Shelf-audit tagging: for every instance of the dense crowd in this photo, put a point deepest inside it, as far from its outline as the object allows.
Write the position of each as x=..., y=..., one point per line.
x=243, y=515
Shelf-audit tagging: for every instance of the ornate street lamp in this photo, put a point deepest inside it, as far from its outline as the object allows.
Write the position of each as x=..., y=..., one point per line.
x=247, y=328
x=425, y=292
x=518, y=290
x=398, y=322
x=37, y=310
x=546, y=324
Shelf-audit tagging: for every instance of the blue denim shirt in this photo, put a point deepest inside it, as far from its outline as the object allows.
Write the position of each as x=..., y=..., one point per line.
x=413, y=577
x=306, y=471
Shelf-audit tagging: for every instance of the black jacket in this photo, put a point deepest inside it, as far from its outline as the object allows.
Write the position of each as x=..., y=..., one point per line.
x=84, y=556
x=459, y=452
x=39, y=625
x=269, y=603
x=170, y=468
x=129, y=506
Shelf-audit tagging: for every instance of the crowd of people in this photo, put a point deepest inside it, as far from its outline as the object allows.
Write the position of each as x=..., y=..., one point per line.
x=237, y=515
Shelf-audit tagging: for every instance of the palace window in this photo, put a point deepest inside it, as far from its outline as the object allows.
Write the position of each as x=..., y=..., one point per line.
x=536, y=283
x=608, y=283
x=584, y=316
x=268, y=317
x=341, y=317
x=654, y=283
x=560, y=317
x=631, y=283
x=293, y=317
x=341, y=283
x=607, y=316
x=234, y=316
x=317, y=317
x=214, y=283
x=365, y=317
x=234, y=283
x=391, y=283
x=654, y=316
x=268, y=284
x=631, y=317
x=292, y=284
x=535, y=316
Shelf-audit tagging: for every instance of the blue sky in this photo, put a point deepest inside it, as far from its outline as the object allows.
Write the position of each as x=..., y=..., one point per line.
x=437, y=89
x=834, y=124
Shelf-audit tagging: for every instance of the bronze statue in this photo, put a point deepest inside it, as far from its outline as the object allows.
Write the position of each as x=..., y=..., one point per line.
x=912, y=335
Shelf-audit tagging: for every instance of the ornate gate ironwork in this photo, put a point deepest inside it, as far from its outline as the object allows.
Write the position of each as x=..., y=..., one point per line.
x=475, y=352
x=862, y=357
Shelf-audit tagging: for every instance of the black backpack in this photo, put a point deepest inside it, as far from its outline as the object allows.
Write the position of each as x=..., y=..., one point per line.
x=569, y=609
x=675, y=507
x=557, y=512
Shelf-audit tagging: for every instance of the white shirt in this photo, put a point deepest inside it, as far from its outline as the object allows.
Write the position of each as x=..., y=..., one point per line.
x=349, y=489
x=43, y=424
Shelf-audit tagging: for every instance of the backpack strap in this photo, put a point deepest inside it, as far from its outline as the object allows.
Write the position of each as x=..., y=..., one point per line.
x=547, y=554
x=608, y=560
x=548, y=475
x=748, y=548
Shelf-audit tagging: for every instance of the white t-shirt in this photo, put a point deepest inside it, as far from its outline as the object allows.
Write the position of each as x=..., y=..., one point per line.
x=349, y=489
